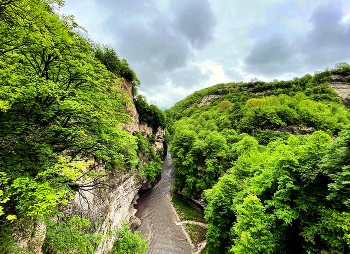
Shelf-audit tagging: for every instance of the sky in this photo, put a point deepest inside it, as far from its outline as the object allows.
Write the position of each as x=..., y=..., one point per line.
x=177, y=47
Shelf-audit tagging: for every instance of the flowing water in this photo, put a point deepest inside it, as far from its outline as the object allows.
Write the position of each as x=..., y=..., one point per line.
x=157, y=216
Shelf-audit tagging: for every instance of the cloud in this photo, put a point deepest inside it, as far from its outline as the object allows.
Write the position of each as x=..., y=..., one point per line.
x=154, y=46
x=163, y=38
x=329, y=39
x=195, y=20
x=271, y=57
x=218, y=74
x=190, y=77
x=160, y=47
x=327, y=42
x=178, y=46
x=234, y=74
x=172, y=95
x=276, y=23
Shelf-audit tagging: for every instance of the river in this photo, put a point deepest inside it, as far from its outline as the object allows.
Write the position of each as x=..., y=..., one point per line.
x=157, y=216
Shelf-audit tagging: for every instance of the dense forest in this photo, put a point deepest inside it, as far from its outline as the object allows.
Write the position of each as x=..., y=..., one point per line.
x=271, y=161
x=61, y=116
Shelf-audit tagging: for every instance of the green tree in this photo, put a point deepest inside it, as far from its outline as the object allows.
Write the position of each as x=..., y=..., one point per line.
x=252, y=229
x=336, y=165
x=58, y=106
x=151, y=114
x=128, y=242
x=109, y=58
x=66, y=235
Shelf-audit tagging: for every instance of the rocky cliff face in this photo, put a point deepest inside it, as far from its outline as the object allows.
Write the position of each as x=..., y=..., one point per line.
x=341, y=84
x=207, y=99
x=140, y=126
x=113, y=204
x=107, y=205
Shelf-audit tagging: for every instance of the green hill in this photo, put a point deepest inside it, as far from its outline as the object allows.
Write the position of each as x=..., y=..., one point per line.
x=270, y=159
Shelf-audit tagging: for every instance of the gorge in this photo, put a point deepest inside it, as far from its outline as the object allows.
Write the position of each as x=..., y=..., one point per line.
x=85, y=167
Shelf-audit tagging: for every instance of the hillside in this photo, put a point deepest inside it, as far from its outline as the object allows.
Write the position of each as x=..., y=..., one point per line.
x=270, y=160
x=77, y=142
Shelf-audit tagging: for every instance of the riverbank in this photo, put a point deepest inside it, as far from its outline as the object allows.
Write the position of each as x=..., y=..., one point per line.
x=191, y=220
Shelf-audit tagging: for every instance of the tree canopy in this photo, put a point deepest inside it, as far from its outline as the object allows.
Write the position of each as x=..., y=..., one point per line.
x=270, y=159
x=61, y=116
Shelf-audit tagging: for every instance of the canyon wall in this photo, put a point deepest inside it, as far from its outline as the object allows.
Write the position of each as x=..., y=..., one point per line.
x=112, y=205
x=106, y=205
x=140, y=126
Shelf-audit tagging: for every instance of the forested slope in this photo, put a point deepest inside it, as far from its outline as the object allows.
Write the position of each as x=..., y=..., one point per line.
x=61, y=116
x=271, y=160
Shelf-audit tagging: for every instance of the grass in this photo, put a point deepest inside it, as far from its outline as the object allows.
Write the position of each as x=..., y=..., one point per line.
x=205, y=251
x=197, y=233
x=186, y=211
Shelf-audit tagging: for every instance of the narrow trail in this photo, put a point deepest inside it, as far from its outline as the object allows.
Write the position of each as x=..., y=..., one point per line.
x=158, y=219
x=203, y=225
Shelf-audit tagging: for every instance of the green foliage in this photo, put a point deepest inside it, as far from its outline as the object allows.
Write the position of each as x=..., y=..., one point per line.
x=59, y=107
x=4, y=196
x=7, y=243
x=108, y=57
x=267, y=190
x=264, y=137
x=147, y=154
x=56, y=101
x=151, y=114
x=161, y=153
x=142, y=143
x=336, y=164
x=185, y=210
x=202, y=139
x=200, y=159
x=152, y=139
x=152, y=170
x=344, y=66
x=277, y=112
x=316, y=87
x=224, y=105
x=290, y=179
x=128, y=242
x=197, y=233
x=252, y=229
x=68, y=235
x=219, y=214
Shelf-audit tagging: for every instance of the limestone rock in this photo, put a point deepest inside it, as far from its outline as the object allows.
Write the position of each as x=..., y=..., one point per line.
x=341, y=84
x=206, y=99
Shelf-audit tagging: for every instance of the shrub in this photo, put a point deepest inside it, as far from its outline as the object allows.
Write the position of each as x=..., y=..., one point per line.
x=128, y=242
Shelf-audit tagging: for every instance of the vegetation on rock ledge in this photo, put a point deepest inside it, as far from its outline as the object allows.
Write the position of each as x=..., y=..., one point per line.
x=61, y=113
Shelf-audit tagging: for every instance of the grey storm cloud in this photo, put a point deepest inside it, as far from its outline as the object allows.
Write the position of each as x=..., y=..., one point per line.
x=329, y=39
x=271, y=56
x=169, y=42
x=160, y=42
x=327, y=42
x=154, y=45
x=195, y=20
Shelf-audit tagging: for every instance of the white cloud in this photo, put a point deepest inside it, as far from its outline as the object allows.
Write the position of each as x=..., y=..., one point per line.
x=218, y=73
x=346, y=19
